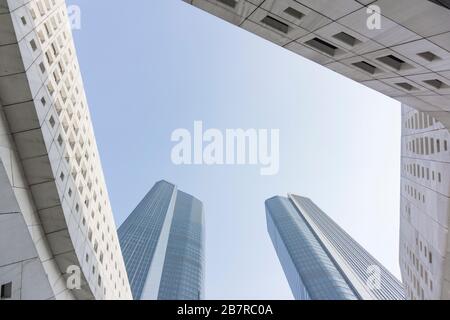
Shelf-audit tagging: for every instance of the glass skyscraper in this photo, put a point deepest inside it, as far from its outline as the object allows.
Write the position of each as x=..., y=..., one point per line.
x=320, y=260
x=162, y=243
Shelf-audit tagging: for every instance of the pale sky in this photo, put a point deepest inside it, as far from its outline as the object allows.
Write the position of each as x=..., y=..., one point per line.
x=151, y=67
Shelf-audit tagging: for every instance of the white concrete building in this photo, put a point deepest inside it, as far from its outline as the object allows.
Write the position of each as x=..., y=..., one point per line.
x=400, y=48
x=54, y=207
x=425, y=204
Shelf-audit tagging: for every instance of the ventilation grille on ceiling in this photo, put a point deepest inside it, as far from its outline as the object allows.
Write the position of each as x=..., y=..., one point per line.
x=365, y=66
x=346, y=38
x=230, y=3
x=429, y=56
x=322, y=46
x=406, y=86
x=443, y=3
x=394, y=62
x=436, y=83
x=294, y=13
x=276, y=24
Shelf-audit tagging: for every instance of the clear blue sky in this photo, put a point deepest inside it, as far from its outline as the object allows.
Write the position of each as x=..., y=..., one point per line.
x=150, y=67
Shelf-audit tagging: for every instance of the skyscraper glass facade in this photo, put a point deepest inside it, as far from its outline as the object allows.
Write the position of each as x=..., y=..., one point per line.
x=182, y=276
x=310, y=271
x=355, y=261
x=139, y=234
x=320, y=260
x=162, y=244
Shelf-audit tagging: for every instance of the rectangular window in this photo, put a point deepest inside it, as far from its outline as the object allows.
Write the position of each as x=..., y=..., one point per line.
x=42, y=67
x=6, y=291
x=33, y=45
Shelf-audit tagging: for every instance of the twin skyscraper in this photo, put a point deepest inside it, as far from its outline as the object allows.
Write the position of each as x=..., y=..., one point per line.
x=163, y=247
x=320, y=260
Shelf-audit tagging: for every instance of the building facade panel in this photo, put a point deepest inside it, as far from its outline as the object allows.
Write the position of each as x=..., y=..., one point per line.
x=425, y=205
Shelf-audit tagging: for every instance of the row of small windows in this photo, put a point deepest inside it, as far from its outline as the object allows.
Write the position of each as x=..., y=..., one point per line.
x=62, y=82
x=427, y=146
x=414, y=193
x=416, y=290
x=101, y=255
x=419, y=120
x=422, y=172
x=43, y=7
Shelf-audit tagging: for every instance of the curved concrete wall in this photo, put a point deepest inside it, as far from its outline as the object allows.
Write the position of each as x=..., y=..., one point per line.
x=47, y=118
